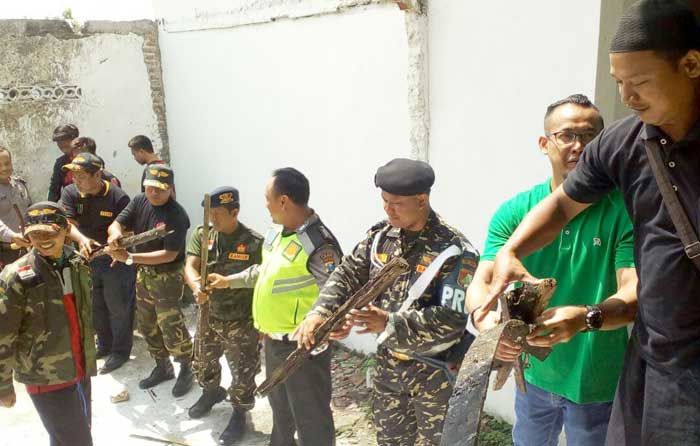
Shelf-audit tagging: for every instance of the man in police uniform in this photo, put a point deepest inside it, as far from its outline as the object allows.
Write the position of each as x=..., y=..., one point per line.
x=159, y=276
x=233, y=247
x=299, y=253
x=13, y=191
x=91, y=204
x=410, y=394
x=46, y=336
x=63, y=136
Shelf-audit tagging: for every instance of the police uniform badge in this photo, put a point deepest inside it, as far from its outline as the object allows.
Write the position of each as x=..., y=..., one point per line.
x=425, y=261
x=328, y=261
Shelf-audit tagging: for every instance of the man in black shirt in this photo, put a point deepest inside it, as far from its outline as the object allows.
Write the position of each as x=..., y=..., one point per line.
x=63, y=136
x=655, y=59
x=159, y=281
x=91, y=204
x=87, y=144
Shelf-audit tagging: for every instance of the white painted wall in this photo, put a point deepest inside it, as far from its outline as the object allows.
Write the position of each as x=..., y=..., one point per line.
x=326, y=95
x=494, y=67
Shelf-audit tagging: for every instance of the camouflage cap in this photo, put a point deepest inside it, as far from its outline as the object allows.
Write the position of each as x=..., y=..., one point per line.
x=86, y=162
x=45, y=216
x=65, y=132
x=160, y=176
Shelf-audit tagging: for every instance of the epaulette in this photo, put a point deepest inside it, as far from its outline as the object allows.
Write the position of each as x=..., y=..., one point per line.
x=316, y=235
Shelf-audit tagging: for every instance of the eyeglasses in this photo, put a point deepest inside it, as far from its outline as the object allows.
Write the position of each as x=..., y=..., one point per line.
x=567, y=138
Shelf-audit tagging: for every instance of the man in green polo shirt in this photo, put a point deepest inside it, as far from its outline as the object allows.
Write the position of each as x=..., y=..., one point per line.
x=592, y=260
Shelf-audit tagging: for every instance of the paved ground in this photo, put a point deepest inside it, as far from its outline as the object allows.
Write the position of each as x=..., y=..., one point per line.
x=162, y=416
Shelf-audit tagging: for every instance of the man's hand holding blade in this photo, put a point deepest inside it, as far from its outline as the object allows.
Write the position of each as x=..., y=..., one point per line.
x=558, y=324
x=202, y=296
x=507, y=350
x=507, y=268
x=370, y=319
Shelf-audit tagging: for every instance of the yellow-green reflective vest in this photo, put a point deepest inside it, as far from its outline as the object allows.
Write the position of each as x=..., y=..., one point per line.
x=285, y=289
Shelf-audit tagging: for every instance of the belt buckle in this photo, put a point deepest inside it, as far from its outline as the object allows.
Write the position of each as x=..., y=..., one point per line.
x=692, y=250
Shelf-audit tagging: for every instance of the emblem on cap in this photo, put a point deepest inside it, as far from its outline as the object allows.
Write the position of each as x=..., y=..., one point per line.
x=226, y=198
x=38, y=212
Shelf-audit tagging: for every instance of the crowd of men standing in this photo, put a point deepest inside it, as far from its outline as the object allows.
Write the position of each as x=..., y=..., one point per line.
x=597, y=221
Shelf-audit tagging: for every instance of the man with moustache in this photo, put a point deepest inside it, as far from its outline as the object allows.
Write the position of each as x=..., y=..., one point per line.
x=91, y=204
x=593, y=263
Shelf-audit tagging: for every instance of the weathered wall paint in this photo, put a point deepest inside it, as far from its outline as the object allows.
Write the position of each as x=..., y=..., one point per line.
x=109, y=64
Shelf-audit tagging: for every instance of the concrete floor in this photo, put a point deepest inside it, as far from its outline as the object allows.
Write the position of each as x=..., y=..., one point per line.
x=165, y=418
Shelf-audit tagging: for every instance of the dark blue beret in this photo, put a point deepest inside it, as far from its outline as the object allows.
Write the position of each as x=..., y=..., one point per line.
x=223, y=195
x=402, y=176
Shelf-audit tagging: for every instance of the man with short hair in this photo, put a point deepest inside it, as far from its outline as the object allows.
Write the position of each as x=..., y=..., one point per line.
x=13, y=191
x=46, y=337
x=143, y=153
x=410, y=394
x=87, y=144
x=63, y=136
x=91, y=204
x=593, y=263
x=233, y=247
x=159, y=281
x=655, y=59
x=299, y=253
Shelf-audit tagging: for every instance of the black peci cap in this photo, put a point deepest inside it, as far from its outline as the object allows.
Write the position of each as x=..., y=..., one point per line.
x=657, y=25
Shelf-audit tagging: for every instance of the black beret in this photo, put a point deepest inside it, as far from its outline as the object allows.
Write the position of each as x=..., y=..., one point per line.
x=659, y=25
x=403, y=176
x=224, y=195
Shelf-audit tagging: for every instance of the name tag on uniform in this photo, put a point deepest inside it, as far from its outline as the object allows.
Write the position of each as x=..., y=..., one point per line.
x=106, y=214
x=238, y=256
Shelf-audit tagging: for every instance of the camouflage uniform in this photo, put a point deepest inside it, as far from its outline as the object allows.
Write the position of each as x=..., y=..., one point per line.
x=158, y=313
x=37, y=321
x=231, y=330
x=410, y=396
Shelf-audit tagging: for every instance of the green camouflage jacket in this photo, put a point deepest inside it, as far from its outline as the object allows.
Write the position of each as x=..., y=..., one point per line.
x=434, y=322
x=34, y=333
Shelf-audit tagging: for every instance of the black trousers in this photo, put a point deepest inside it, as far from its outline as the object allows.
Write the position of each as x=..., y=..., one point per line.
x=66, y=414
x=654, y=406
x=303, y=402
x=113, y=303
